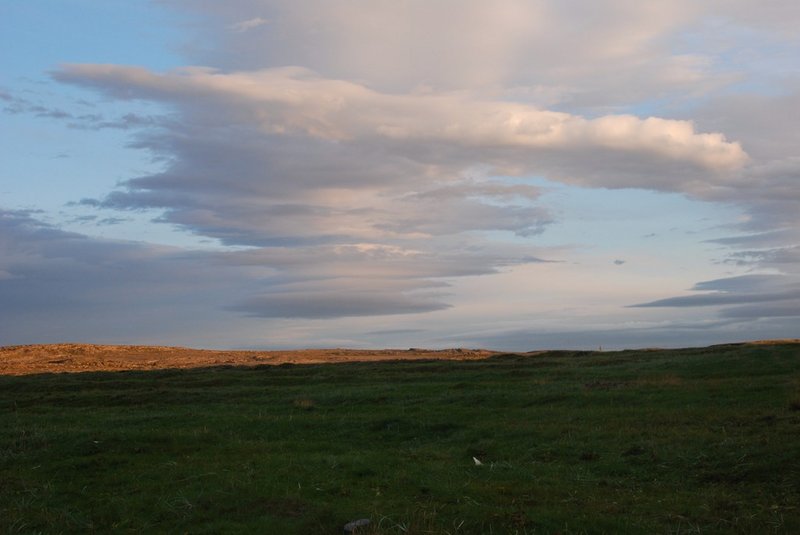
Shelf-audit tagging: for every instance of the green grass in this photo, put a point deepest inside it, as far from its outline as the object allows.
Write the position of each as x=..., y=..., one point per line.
x=683, y=441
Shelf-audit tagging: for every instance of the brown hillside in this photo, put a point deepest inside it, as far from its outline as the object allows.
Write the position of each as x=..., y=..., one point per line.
x=59, y=358
x=55, y=358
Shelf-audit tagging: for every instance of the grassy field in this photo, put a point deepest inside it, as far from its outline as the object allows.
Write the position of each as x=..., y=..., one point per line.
x=678, y=441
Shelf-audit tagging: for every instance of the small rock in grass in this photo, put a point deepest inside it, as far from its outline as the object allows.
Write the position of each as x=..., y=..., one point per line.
x=351, y=527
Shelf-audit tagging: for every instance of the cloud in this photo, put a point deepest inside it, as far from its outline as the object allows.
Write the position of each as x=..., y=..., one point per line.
x=366, y=158
x=66, y=286
x=766, y=188
x=744, y=298
x=743, y=283
x=293, y=100
x=785, y=309
x=720, y=299
x=546, y=52
x=453, y=44
x=282, y=156
x=760, y=239
x=395, y=332
x=361, y=279
x=249, y=24
x=78, y=121
x=57, y=285
x=302, y=165
x=786, y=259
x=338, y=303
x=112, y=220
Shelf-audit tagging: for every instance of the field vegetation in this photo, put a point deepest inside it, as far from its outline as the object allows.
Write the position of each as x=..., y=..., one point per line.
x=670, y=441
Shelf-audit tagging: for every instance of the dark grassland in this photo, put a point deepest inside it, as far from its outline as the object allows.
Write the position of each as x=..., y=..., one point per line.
x=678, y=441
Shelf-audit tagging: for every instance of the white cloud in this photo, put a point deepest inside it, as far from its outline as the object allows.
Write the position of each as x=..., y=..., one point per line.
x=453, y=44
x=249, y=24
x=293, y=100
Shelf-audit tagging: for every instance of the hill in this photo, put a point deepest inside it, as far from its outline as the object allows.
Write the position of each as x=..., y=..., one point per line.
x=68, y=357
x=56, y=358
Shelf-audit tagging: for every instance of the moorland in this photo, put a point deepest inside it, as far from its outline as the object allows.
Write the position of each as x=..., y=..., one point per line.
x=101, y=439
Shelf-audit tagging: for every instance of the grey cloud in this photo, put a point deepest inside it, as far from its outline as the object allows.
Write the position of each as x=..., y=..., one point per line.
x=360, y=280
x=292, y=100
x=57, y=285
x=86, y=202
x=767, y=187
x=22, y=105
x=53, y=113
x=15, y=104
x=788, y=308
x=760, y=120
x=785, y=258
x=743, y=298
x=323, y=305
x=761, y=239
x=744, y=283
x=771, y=196
x=266, y=190
x=720, y=299
x=82, y=121
x=83, y=219
x=395, y=332
x=66, y=286
x=112, y=220
x=129, y=121
x=373, y=261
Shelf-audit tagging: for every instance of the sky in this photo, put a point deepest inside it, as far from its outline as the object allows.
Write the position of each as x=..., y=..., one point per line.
x=513, y=174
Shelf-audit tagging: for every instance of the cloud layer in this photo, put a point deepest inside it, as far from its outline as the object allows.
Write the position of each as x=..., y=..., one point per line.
x=282, y=155
x=359, y=159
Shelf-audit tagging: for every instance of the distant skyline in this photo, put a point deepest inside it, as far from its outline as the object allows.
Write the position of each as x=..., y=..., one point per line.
x=512, y=174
